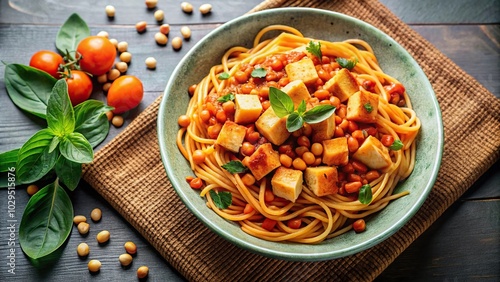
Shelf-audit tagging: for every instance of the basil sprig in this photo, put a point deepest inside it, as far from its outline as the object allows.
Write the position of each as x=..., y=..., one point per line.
x=282, y=106
x=71, y=33
x=222, y=199
x=365, y=194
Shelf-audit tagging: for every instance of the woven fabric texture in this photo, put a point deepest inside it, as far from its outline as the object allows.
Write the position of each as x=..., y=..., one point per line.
x=129, y=174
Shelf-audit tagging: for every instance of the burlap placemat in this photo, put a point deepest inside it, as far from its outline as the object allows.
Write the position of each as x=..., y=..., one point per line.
x=129, y=174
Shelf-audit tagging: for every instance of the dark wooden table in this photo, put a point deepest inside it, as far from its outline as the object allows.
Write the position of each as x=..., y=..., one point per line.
x=462, y=245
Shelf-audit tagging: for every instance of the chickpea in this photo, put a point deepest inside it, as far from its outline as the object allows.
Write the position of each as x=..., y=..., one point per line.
x=183, y=120
x=121, y=67
x=110, y=11
x=94, y=265
x=198, y=156
x=117, y=121
x=113, y=74
x=205, y=9
x=248, y=179
x=126, y=57
x=141, y=26
x=177, y=43
x=151, y=3
x=103, y=34
x=32, y=189
x=150, y=63
x=83, y=228
x=165, y=28
x=125, y=259
x=96, y=214
x=122, y=46
x=186, y=32
x=186, y=7
x=285, y=160
x=161, y=38
x=103, y=236
x=317, y=149
x=102, y=78
x=299, y=164
x=106, y=86
x=114, y=42
x=109, y=115
x=359, y=225
x=79, y=218
x=159, y=15
x=83, y=249
x=130, y=247
x=308, y=158
x=142, y=272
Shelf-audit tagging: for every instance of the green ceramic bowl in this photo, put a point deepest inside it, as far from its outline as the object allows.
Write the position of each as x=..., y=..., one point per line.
x=319, y=24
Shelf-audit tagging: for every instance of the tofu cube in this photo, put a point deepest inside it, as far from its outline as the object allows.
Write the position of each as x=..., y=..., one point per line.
x=373, y=154
x=323, y=130
x=264, y=160
x=322, y=180
x=297, y=90
x=272, y=127
x=231, y=136
x=335, y=151
x=343, y=85
x=302, y=70
x=248, y=108
x=362, y=107
x=287, y=183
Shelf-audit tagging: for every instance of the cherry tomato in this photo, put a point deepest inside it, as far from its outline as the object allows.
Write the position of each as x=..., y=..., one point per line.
x=79, y=87
x=125, y=93
x=47, y=61
x=98, y=55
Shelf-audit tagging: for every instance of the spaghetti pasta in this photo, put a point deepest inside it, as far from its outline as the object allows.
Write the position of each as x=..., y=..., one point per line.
x=324, y=175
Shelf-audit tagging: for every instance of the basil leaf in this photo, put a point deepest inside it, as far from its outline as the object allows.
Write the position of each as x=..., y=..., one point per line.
x=396, y=145
x=302, y=107
x=294, y=122
x=234, y=167
x=60, y=114
x=365, y=194
x=281, y=103
x=76, y=148
x=315, y=49
x=29, y=88
x=259, y=72
x=47, y=221
x=68, y=172
x=226, y=98
x=347, y=64
x=222, y=199
x=91, y=121
x=54, y=143
x=368, y=107
x=8, y=159
x=34, y=159
x=223, y=76
x=71, y=33
x=318, y=113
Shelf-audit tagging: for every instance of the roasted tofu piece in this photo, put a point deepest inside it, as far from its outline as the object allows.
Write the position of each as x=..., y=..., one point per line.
x=247, y=108
x=302, y=70
x=343, y=84
x=264, y=160
x=297, y=90
x=373, y=154
x=323, y=130
x=272, y=127
x=287, y=183
x=362, y=107
x=231, y=136
x=322, y=180
x=335, y=151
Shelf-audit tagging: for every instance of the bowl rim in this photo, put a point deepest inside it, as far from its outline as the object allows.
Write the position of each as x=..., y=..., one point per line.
x=280, y=254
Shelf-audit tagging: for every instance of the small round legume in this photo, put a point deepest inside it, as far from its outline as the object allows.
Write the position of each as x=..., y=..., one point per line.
x=32, y=189
x=113, y=74
x=141, y=26
x=110, y=11
x=183, y=120
x=198, y=156
x=109, y=115
x=126, y=57
x=186, y=7
x=205, y=9
x=125, y=259
x=150, y=63
x=96, y=214
x=130, y=247
x=114, y=42
x=106, y=86
x=359, y=225
x=103, y=34
x=177, y=43
x=103, y=236
x=151, y=3
x=117, y=121
x=102, y=78
x=285, y=160
x=142, y=272
x=248, y=179
x=161, y=38
x=299, y=164
x=121, y=67
x=122, y=46
x=309, y=158
x=159, y=15
x=83, y=228
x=79, y=218
x=165, y=28
x=186, y=32
x=94, y=265
x=83, y=249
x=317, y=149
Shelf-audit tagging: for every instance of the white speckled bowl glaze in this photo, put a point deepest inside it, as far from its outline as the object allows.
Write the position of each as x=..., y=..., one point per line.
x=319, y=24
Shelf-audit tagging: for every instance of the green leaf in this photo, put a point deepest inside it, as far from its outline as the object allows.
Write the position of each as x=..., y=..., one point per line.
x=29, y=88
x=71, y=33
x=234, y=167
x=223, y=76
x=315, y=49
x=91, y=121
x=365, y=194
x=347, y=64
x=47, y=221
x=8, y=160
x=396, y=145
x=368, y=107
x=318, y=113
x=54, y=143
x=68, y=172
x=60, y=114
x=34, y=159
x=281, y=103
x=222, y=199
x=302, y=107
x=226, y=98
x=259, y=72
x=294, y=122
x=76, y=148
